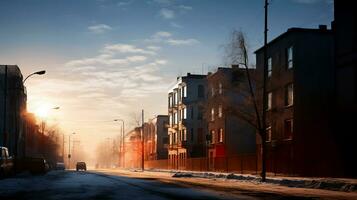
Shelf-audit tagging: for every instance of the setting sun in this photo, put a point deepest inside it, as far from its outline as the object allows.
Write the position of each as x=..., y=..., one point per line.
x=43, y=110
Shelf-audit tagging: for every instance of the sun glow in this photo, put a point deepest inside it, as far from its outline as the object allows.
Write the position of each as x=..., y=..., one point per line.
x=43, y=110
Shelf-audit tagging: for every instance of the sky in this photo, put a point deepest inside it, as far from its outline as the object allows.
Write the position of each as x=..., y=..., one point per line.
x=108, y=59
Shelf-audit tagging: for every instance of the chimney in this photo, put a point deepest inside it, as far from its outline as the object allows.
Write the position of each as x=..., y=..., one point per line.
x=323, y=27
x=235, y=65
x=188, y=74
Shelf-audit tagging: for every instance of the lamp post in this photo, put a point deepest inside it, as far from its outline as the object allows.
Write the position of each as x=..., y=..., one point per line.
x=123, y=141
x=42, y=72
x=69, y=150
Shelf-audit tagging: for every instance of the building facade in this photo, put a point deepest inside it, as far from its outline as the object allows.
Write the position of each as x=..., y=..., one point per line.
x=187, y=129
x=13, y=99
x=300, y=85
x=230, y=135
x=344, y=28
x=156, y=138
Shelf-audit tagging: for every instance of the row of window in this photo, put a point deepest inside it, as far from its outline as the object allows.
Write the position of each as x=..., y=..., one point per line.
x=181, y=93
x=220, y=89
x=220, y=112
x=216, y=138
x=288, y=130
x=289, y=61
x=177, y=137
x=178, y=116
x=288, y=97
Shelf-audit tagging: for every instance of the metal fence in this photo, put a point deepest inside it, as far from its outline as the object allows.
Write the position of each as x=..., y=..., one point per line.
x=245, y=164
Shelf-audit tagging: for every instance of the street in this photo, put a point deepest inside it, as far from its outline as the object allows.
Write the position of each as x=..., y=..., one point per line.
x=101, y=185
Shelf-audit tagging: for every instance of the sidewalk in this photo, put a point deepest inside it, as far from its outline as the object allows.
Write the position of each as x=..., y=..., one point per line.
x=322, y=188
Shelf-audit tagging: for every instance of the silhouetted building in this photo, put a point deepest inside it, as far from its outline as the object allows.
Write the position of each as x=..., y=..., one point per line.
x=133, y=151
x=230, y=135
x=187, y=129
x=13, y=111
x=300, y=91
x=344, y=27
x=156, y=138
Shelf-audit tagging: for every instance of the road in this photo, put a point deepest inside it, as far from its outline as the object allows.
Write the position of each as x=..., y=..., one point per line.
x=98, y=185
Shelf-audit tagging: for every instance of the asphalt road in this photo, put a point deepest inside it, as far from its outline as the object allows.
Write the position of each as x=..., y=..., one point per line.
x=97, y=185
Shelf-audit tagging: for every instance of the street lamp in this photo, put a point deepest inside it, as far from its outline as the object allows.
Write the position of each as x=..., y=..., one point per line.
x=69, y=150
x=42, y=72
x=123, y=141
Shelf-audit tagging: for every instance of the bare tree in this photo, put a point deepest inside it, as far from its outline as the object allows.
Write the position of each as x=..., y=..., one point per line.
x=236, y=53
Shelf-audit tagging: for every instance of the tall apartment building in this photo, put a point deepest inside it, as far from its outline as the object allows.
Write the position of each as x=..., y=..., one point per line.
x=187, y=129
x=344, y=28
x=156, y=138
x=13, y=99
x=300, y=87
x=230, y=135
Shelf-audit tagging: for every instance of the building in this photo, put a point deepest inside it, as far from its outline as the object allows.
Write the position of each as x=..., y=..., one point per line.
x=133, y=148
x=344, y=28
x=231, y=136
x=156, y=138
x=12, y=109
x=300, y=91
x=187, y=129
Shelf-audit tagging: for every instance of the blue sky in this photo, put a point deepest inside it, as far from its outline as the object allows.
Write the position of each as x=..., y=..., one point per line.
x=111, y=58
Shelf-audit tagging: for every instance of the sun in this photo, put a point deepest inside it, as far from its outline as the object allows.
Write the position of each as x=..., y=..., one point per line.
x=42, y=111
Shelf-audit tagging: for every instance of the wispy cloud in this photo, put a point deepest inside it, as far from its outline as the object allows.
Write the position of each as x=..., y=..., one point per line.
x=124, y=3
x=183, y=7
x=99, y=28
x=126, y=48
x=182, y=42
x=167, y=38
x=167, y=13
x=175, y=25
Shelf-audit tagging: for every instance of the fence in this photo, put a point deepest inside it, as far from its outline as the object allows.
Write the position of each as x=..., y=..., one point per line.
x=236, y=164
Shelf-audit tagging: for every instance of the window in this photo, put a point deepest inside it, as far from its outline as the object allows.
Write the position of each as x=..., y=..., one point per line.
x=199, y=114
x=288, y=129
x=201, y=91
x=170, y=101
x=212, y=91
x=192, y=134
x=184, y=135
x=165, y=140
x=270, y=67
x=200, y=135
x=179, y=97
x=184, y=91
x=212, y=114
x=269, y=101
x=170, y=119
x=212, y=137
x=268, y=134
x=289, y=53
x=175, y=118
x=220, y=114
x=220, y=135
x=289, y=95
x=184, y=113
x=220, y=88
x=192, y=112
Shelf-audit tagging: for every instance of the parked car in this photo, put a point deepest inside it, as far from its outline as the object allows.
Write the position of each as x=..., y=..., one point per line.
x=6, y=163
x=81, y=166
x=37, y=165
x=60, y=166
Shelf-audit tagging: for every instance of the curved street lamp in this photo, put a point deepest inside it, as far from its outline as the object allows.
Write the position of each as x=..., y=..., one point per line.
x=123, y=141
x=42, y=72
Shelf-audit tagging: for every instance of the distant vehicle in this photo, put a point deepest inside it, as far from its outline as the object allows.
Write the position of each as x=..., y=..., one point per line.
x=6, y=163
x=81, y=166
x=60, y=166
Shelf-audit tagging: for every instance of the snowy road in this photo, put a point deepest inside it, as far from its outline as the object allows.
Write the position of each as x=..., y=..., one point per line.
x=94, y=185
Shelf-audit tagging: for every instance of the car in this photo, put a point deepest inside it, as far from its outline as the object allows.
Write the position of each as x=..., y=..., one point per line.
x=81, y=166
x=60, y=166
x=37, y=165
x=6, y=163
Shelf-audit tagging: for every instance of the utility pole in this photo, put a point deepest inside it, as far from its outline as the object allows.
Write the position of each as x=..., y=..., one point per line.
x=142, y=139
x=265, y=59
x=4, y=114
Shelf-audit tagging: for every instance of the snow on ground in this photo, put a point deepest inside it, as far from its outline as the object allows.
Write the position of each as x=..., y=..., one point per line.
x=335, y=184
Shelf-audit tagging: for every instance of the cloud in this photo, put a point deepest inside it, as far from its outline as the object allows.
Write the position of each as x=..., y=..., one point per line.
x=167, y=13
x=124, y=3
x=99, y=28
x=182, y=42
x=126, y=48
x=175, y=25
x=183, y=7
x=154, y=48
x=162, y=34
